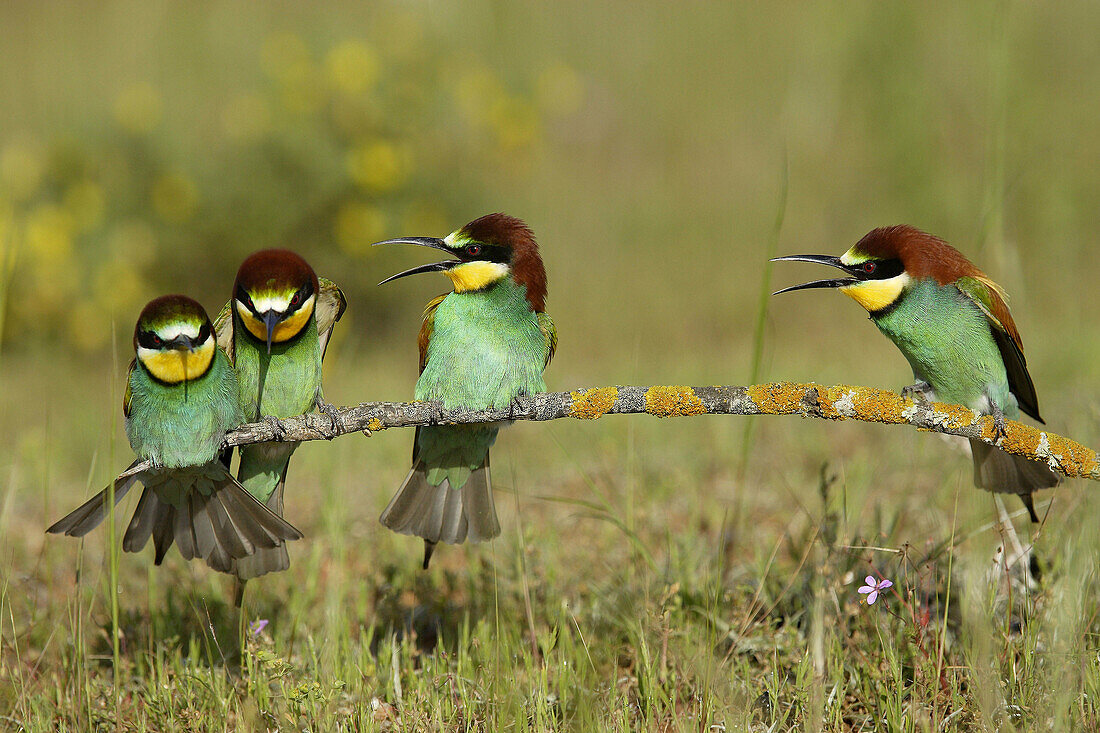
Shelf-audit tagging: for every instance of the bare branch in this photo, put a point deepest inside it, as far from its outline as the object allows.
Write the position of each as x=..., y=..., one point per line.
x=841, y=402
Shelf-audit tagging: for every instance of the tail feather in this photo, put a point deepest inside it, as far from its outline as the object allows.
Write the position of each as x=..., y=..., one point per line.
x=266, y=559
x=1004, y=473
x=205, y=538
x=441, y=513
x=229, y=536
x=215, y=519
x=141, y=526
x=90, y=514
x=164, y=533
x=183, y=532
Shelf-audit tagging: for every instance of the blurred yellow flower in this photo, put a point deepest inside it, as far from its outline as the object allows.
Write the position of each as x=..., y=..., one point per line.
x=53, y=285
x=246, y=118
x=134, y=241
x=174, y=197
x=515, y=122
x=7, y=222
x=476, y=92
x=118, y=288
x=302, y=88
x=425, y=216
x=21, y=168
x=85, y=202
x=282, y=51
x=87, y=326
x=352, y=67
x=379, y=165
x=559, y=90
x=358, y=226
x=49, y=235
x=138, y=108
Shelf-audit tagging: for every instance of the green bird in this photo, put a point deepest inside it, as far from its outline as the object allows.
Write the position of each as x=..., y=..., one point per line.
x=481, y=347
x=952, y=324
x=181, y=398
x=275, y=331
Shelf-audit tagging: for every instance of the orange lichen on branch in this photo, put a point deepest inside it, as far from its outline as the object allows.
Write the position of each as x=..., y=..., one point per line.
x=590, y=404
x=878, y=405
x=958, y=416
x=673, y=402
x=1074, y=458
x=374, y=425
x=780, y=398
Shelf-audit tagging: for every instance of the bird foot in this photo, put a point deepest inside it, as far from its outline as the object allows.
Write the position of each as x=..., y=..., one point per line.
x=921, y=391
x=516, y=407
x=276, y=426
x=333, y=415
x=1000, y=424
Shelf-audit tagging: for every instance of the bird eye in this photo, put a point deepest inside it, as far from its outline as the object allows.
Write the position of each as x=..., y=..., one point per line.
x=473, y=250
x=156, y=340
x=869, y=267
x=296, y=299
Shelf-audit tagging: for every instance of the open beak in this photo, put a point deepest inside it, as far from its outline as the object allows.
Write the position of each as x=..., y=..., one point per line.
x=821, y=260
x=421, y=242
x=271, y=320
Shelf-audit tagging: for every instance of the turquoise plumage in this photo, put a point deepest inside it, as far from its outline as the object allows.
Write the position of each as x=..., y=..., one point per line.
x=181, y=399
x=275, y=330
x=481, y=346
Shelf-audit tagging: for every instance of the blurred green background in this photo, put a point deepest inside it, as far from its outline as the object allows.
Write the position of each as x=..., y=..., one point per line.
x=147, y=147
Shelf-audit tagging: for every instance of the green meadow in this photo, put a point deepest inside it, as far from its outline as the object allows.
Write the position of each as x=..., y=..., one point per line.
x=694, y=574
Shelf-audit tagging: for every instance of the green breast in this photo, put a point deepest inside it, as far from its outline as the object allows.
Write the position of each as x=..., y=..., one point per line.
x=178, y=426
x=485, y=350
x=282, y=384
x=948, y=342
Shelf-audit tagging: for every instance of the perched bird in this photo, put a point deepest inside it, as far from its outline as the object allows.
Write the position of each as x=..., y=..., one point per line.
x=181, y=399
x=275, y=331
x=481, y=347
x=951, y=322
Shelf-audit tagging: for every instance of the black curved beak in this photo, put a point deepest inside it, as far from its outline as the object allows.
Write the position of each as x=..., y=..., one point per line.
x=182, y=343
x=271, y=320
x=821, y=260
x=421, y=242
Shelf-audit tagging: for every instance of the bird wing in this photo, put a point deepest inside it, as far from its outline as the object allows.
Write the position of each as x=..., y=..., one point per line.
x=550, y=333
x=331, y=304
x=427, y=327
x=223, y=327
x=990, y=298
x=126, y=397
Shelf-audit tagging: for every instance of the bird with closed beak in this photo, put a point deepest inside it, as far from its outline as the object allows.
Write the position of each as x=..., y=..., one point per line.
x=275, y=331
x=181, y=399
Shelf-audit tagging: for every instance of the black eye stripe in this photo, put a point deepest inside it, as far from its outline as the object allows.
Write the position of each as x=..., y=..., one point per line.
x=883, y=269
x=486, y=253
x=148, y=339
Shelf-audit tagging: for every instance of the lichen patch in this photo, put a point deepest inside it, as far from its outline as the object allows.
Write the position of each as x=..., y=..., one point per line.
x=779, y=398
x=673, y=402
x=590, y=404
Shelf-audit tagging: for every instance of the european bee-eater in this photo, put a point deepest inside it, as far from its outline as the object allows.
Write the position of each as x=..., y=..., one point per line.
x=275, y=331
x=481, y=347
x=951, y=322
x=181, y=399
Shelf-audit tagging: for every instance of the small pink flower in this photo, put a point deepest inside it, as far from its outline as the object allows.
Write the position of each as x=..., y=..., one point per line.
x=257, y=627
x=873, y=588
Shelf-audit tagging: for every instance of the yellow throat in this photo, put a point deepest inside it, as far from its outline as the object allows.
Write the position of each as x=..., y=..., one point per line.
x=874, y=295
x=175, y=366
x=476, y=275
